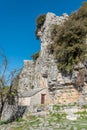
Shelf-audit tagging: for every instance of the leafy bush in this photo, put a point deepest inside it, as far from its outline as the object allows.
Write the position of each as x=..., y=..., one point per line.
x=39, y=23
x=69, y=46
x=5, y=122
x=20, y=120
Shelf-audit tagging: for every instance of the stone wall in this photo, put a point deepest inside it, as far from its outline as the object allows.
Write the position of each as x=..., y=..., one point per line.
x=36, y=99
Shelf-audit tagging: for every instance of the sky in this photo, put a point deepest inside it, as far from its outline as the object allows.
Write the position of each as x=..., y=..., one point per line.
x=18, y=23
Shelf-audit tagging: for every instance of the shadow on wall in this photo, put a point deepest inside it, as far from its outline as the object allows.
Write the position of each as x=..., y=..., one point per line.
x=18, y=114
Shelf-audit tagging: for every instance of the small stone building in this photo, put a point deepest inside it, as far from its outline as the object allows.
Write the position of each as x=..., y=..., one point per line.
x=34, y=97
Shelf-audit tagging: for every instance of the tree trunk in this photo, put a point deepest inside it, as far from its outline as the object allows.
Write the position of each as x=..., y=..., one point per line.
x=1, y=107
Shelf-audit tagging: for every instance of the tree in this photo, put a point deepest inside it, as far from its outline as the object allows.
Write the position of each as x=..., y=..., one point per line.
x=69, y=46
x=7, y=91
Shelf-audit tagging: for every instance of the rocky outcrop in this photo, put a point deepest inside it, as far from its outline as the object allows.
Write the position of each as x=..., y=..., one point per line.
x=26, y=77
x=44, y=73
x=46, y=68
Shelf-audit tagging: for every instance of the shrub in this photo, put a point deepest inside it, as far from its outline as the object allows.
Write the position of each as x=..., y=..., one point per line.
x=39, y=23
x=5, y=122
x=20, y=120
x=69, y=46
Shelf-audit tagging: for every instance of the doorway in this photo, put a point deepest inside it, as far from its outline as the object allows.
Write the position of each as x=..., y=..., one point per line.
x=43, y=98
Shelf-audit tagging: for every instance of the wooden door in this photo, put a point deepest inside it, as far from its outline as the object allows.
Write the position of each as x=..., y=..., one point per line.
x=42, y=98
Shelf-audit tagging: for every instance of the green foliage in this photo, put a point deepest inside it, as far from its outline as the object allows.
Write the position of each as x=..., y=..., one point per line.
x=83, y=114
x=35, y=56
x=56, y=107
x=82, y=12
x=5, y=122
x=84, y=107
x=57, y=115
x=5, y=90
x=39, y=23
x=20, y=120
x=69, y=46
x=11, y=96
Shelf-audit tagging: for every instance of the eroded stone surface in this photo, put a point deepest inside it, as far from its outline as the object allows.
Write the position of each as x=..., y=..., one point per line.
x=44, y=73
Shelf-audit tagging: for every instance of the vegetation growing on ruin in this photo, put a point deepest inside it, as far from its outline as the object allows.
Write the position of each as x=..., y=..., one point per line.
x=69, y=40
x=35, y=56
x=39, y=23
